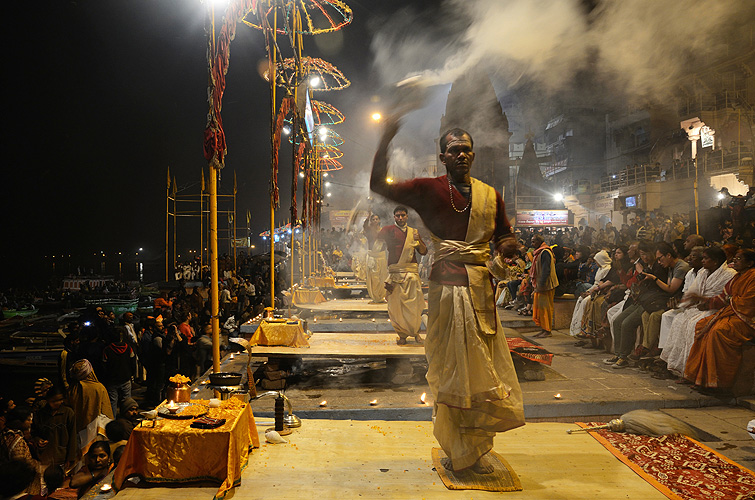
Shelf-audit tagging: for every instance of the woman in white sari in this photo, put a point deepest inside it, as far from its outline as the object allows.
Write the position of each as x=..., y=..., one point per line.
x=710, y=281
x=604, y=261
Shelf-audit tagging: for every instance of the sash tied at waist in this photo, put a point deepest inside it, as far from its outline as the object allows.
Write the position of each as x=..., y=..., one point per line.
x=409, y=267
x=474, y=256
x=461, y=251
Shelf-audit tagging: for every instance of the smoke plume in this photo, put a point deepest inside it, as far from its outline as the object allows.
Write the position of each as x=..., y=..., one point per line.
x=637, y=47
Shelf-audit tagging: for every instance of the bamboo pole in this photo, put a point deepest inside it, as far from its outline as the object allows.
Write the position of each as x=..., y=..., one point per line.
x=213, y=222
x=214, y=296
x=167, y=224
x=175, y=209
x=235, y=249
x=273, y=79
x=201, y=225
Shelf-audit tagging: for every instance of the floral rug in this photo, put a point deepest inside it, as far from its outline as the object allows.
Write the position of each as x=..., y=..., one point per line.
x=678, y=466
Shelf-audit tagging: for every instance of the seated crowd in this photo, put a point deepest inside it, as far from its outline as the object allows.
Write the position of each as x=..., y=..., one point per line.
x=679, y=309
x=58, y=430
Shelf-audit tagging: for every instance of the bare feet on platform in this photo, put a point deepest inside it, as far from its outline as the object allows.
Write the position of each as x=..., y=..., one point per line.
x=481, y=466
x=401, y=341
x=543, y=334
x=418, y=339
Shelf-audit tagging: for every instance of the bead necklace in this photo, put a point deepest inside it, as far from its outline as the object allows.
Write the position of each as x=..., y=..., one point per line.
x=453, y=205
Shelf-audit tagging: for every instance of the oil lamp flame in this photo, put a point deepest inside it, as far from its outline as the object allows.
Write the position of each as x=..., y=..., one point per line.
x=557, y=396
x=373, y=402
x=323, y=403
x=422, y=397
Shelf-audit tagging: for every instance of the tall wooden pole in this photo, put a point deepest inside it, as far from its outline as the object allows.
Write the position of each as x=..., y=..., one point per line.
x=175, y=209
x=273, y=79
x=214, y=296
x=167, y=224
x=235, y=249
x=213, y=222
x=201, y=226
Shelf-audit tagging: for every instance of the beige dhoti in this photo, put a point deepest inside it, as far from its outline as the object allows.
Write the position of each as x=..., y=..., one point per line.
x=406, y=302
x=470, y=372
x=377, y=272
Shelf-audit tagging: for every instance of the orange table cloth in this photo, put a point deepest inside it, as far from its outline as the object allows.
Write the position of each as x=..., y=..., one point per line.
x=174, y=452
x=324, y=282
x=308, y=297
x=289, y=334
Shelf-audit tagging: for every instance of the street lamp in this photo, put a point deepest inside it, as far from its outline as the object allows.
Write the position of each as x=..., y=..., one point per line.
x=693, y=127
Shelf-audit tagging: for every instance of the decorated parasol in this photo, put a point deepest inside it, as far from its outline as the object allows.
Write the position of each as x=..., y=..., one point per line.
x=320, y=16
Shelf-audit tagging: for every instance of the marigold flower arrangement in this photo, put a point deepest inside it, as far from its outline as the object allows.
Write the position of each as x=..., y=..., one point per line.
x=179, y=379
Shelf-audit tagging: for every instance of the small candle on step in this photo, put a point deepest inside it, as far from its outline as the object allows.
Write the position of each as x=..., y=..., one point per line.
x=373, y=402
x=422, y=398
x=105, y=487
x=323, y=403
x=557, y=396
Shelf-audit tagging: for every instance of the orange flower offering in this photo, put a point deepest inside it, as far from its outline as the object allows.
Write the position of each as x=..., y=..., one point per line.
x=179, y=379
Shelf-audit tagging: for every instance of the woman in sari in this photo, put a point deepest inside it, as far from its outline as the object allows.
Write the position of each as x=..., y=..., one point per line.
x=89, y=399
x=717, y=350
x=594, y=311
x=603, y=260
x=710, y=281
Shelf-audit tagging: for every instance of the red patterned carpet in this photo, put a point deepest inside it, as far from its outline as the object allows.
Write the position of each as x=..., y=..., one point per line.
x=679, y=467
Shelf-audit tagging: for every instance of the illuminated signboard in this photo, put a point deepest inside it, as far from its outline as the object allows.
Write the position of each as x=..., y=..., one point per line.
x=542, y=218
x=706, y=136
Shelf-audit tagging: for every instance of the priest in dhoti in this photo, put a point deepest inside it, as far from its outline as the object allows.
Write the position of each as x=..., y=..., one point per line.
x=403, y=286
x=376, y=263
x=470, y=372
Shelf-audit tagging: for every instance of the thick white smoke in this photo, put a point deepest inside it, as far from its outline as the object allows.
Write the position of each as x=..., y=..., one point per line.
x=640, y=47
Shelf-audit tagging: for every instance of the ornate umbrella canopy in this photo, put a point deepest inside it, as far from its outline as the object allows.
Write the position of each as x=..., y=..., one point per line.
x=322, y=75
x=328, y=137
x=328, y=152
x=319, y=16
x=330, y=164
x=326, y=114
x=328, y=159
x=322, y=113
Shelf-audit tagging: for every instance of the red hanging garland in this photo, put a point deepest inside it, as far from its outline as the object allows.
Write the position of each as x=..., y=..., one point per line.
x=214, y=144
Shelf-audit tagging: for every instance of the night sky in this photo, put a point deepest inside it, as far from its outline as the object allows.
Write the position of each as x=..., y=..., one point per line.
x=105, y=95
x=102, y=96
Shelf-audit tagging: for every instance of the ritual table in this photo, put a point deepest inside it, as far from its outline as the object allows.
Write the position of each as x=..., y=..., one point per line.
x=174, y=452
x=283, y=333
x=308, y=297
x=322, y=281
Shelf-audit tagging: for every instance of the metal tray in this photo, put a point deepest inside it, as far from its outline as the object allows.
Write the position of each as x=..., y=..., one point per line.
x=203, y=410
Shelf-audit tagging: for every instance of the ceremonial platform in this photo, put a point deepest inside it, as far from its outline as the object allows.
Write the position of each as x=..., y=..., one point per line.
x=346, y=306
x=391, y=459
x=346, y=345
